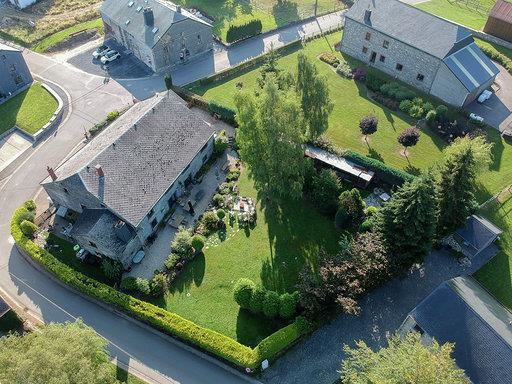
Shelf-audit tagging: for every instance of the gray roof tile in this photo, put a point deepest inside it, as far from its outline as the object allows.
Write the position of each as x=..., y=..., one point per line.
x=142, y=154
x=412, y=26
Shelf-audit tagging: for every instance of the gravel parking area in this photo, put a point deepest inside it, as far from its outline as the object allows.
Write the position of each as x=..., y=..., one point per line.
x=317, y=359
x=125, y=67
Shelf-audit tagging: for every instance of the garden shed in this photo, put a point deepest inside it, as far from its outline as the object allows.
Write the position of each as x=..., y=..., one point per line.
x=499, y=22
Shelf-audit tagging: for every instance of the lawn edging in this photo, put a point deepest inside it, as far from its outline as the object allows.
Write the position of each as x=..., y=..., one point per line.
x=213, y=343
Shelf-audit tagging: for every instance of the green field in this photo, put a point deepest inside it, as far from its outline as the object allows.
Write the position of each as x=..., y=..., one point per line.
x=284, y=239
x=30, y=110
x=496, y=276
x=351, y=104
x=471, y=13
x=272, y=13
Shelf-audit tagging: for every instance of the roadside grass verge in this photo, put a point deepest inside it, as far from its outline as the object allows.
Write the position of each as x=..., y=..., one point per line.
x=29, y=110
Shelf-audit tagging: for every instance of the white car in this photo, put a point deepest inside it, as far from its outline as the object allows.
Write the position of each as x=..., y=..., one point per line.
x=110, y=56
x=475, y=117
x=100, y=51
x=485, y=95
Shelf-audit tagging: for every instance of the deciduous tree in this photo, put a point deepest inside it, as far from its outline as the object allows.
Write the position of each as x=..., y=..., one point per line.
x=405, y=360
x=70, y=353
x=368, y=126
x=409, y=138
x=313, y=90
x=270, y=135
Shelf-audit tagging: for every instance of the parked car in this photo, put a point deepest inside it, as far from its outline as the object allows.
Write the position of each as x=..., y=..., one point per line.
x=485, y=95
x=475, y=117
x=110, y=56
x=100, y=51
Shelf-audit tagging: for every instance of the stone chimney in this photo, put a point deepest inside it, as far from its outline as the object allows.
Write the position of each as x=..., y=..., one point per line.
x=149, y=17
x=52, y=173
x=367, y=16
x=99, y=171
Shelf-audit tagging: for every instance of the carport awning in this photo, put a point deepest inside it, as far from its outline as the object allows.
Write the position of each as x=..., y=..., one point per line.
x=471, y=66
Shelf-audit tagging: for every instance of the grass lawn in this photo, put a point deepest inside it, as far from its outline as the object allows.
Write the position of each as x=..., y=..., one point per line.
x=57, y=37
x=272, y=254
x=351, y=104
x=496, y=275
x=272, y=13
x=30, y=110
x=67, y=255
x=471, y=13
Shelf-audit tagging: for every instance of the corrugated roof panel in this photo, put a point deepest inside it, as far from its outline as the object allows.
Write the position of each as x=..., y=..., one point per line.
x=471, y=66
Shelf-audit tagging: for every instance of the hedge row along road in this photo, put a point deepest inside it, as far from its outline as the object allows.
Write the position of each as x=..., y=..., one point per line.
x=144, y=351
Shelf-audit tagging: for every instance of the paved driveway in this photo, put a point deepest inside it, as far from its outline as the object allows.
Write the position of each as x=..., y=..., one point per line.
x=497, y=111
x=317, y=359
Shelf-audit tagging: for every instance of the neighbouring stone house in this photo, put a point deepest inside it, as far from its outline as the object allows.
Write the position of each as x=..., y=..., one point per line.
x=462, y=312
x=430, y=53
x=499, y=22
x=14, y=73
x=159, y=33
x=126, y=179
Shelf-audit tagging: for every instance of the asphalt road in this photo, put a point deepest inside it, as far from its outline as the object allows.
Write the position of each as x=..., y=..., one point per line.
x=89, y=100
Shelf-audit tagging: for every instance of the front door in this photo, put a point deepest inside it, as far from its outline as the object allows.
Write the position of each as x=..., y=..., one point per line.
x=373, y=57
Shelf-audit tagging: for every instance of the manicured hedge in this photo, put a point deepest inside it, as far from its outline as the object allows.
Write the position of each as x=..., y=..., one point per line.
x=496, y=55
x=225, y=113
x=240, y=32
x=390, y=175
x=210, y=341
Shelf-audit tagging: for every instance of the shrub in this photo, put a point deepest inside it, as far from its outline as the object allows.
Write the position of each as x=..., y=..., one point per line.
x=271, y=304
x=129, y=284
x=210, y=221
x=405, y=106
x=182, y=244
x=368, y=125
x=353, y=204
x=441, y=113
x=30, y=205
x=303, y=325
x=330, y=58
x=25, y=215
x=324, y=189
x=171, y=261
x=221, y=214
x=431, y=117
x=218, y=200
x=220, y=144
x=427, y=106
x=270, y=347
x=168, y=81
x=415, y=111
x=143, y=286
x=198, y=243
x=239, y=32
x=112, y=116
x=409, y=137
x=374, y=81
x=158, y=284
x=388, y=174
x=256, y=302
x=28, y=228
x=366, y=226
x=397, y=91
x=341, y=218
x=111, y=268
x=242, y=292
x=371, y=211
x=359, y=74
x=344, y=69
x=233, y=175
x=288, y=305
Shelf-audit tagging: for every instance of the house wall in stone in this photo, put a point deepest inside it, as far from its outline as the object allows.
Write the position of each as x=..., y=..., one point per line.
x=414, y=61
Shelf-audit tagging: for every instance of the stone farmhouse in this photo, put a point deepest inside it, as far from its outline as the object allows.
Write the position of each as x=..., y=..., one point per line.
x=430, y=53
x=15, y=75
x=124, y=181
x=157, y=32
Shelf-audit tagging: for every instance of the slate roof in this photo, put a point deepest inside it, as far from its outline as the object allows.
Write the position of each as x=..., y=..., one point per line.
x=142, y=154
x=128, y=14
x=471, y=66
x=460, y=311
x=99, y=224
x=476, y=234
x=412, y=26
x=502, y=10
